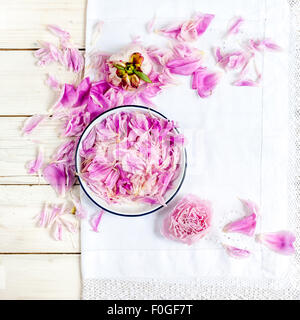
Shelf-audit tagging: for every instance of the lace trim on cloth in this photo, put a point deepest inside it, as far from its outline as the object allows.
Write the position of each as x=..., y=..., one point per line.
x=230, y=289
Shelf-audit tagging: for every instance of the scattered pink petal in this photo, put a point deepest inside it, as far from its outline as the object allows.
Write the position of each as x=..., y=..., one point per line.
x=247, y=224
x=235, y=27
x=204, y=82
x=60, y=176
x=281, y=242
x=57, y=234
x=95, y=220
x=260, y=45
x=236, y=252
x=80, y=211
x=184, y=67
x=73, y=59
x=48, y=54
x=150, y=24
x=189, y=221
x=245, y=83
x=35, y=165
x=189, y=30
x=58, y=32
x=53, y=83
x=32, y=122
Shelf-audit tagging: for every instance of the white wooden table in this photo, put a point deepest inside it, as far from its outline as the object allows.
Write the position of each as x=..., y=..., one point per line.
x=32, y=264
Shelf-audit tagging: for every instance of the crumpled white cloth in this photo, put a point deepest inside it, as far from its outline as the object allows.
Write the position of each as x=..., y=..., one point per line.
x=238, y=147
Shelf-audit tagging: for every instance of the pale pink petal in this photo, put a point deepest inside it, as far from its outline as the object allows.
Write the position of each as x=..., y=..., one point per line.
x=150, y=24
x=245, y=226
x=35, y=165
x=57, y=233
x=250, y=207
x=43, y=217
x=73, y=59
x=281, y=242
x=80, y=211
x=95, y=220
x=52, y=82
x=245, y=83
x=204, y=82
x=97, y=30
x=236, y=252
x=57, y=31
x=235, y=27
x=32, y=122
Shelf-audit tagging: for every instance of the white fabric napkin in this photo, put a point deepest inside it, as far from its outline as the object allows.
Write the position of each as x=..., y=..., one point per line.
x=237, y=147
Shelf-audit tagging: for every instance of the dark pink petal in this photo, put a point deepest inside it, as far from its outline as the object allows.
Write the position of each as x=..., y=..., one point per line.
x=35, y=165
x=32, y=122
x=95, y=220
x=235, y=27
x=281, y=242
x=245, y=226
x=236, y=252
x=202, y=22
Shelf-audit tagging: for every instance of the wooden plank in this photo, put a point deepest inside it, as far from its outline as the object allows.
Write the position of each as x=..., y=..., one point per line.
x=39, y=277
x=19, y=233
x=22, y=23
x=16, y=150
x=22, y=82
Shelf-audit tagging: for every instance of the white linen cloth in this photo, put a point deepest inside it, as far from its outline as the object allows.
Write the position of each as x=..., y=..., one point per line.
x=237, y=147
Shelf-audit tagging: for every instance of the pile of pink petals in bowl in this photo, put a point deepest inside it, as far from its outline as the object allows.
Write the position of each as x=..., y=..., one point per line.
x=131, y=161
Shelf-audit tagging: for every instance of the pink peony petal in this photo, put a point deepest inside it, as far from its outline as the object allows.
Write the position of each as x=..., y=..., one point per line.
x=235, y=27
x=245, y=83
x=204, y=82
x=189, y=221
x=57, y=234
x=247, y=224
x=184, y=67
x=189, y=30
x=60, y=176
x=95, y=220
x=281, y=242
x=236, y=252
x=53, y=83
x=58, y=32
x=73, y=59
x=150, y=24
x=32, y=122
x=35, y=165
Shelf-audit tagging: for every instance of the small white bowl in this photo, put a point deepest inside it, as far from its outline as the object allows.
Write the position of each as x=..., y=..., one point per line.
x=127, y=208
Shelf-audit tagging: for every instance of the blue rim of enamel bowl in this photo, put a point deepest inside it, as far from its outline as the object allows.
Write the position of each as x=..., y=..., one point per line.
x=78, y=169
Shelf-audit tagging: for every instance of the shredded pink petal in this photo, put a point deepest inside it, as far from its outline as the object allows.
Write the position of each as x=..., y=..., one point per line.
x=235, y=27
x=97, y=30
x=73, y=59
x=80, y=211
x=236, y=252
x=189, y=30
x=281, y=242
x=95, y=220
x=35, y=165
x=48, y=54
x=52, y=82
x=57, y=234
x=260, y=45
x=58, y=32
x=204, y=82
x=189, y=221
x=32, y=122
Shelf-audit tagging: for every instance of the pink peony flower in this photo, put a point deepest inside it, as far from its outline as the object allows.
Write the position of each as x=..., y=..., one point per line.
x=281, y=242
x=189, y=221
